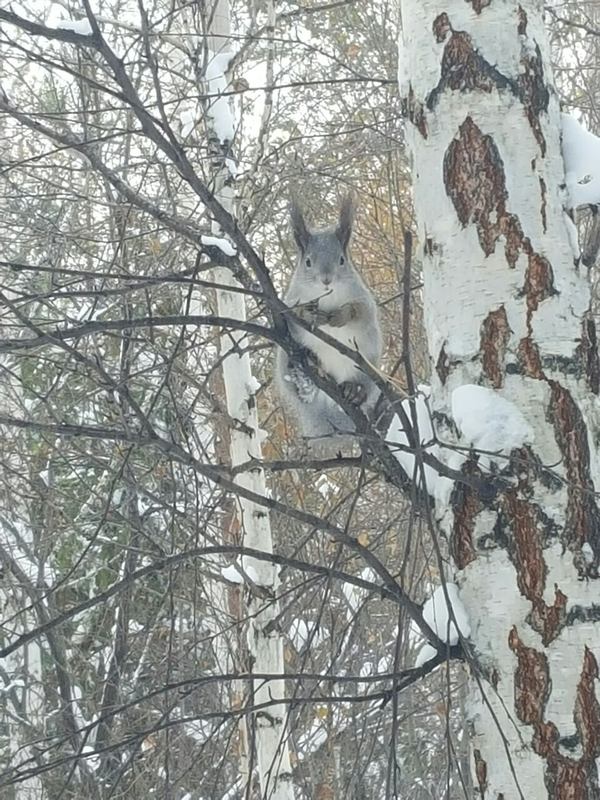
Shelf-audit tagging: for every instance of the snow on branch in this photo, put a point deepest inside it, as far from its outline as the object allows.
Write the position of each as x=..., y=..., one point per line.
x=581, y=153
x=224, y=245
x=436, y=613
x=81, y=26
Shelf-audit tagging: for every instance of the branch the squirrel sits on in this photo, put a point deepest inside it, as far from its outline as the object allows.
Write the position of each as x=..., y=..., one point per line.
x=327, y=292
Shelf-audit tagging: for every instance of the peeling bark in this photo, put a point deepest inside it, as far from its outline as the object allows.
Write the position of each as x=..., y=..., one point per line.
x=495, y=333
x=466, y=505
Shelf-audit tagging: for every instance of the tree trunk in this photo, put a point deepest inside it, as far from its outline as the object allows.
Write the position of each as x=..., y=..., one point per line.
x=265, y=642
x=507, y=308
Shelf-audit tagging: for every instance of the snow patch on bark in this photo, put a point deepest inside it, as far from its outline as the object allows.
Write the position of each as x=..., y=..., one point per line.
x=487, y=421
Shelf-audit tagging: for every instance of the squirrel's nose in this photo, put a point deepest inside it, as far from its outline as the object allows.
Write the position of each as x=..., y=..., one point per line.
x=326, y=280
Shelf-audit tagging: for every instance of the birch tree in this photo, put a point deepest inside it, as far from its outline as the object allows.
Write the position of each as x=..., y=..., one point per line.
x=515, y=374
x=266, y=730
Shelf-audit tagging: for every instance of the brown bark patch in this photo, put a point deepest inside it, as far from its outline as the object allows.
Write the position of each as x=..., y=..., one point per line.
x=539, y=280
x=475, y=182
x=495, y=333
x=480, y=772
x=466, y=506
x=532, y=681
x=587, y=708
x=526, y=553
x=543, y=194
x=441, y=27
x=545, y=739
x=479, y=5
x=463, y=68
x=414, y=111
x=567, y=780
x=529, y=359
x=522, y=27
x=582, y=522
x=549, y=620
x=588, y=354
x=442, y=366
x=534, y=93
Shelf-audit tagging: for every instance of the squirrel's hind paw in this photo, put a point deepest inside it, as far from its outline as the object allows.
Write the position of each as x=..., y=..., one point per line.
x=355, y=393
x=303, y=386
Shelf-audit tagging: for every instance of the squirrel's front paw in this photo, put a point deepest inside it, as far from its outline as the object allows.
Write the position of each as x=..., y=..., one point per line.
x=355, y=393
x=308, y=311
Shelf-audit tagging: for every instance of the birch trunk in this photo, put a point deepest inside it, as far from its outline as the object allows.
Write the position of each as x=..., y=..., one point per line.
x=507, y=308
x=265, y=643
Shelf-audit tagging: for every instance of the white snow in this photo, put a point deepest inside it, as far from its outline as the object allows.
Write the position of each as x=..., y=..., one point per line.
x=231, y=167
x=187, y=118
x=587, y=552
x=220, y=108
x=232, y=574
x=310, y=741
x=355, y=595
x=436, y=614
x=396, y=434
x=581, y=153
x=437, y=486
x=81, y=26
x=251, y=571
x=224, y=245
x=488, y=421
x=426, y=653
x=298, y=633
x=253, y=385
x=19, y=683
x=236, y=574
x=91, y=757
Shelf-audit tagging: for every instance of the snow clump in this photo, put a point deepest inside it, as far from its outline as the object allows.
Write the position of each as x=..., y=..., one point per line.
x=487, y=421
x=437, y=615
x=581, y=153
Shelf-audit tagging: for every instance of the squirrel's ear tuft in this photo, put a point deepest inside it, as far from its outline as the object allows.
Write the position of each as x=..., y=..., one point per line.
x=344, y=228
x=301, y=232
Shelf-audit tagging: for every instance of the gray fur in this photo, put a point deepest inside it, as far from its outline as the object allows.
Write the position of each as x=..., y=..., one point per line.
x=342, y=305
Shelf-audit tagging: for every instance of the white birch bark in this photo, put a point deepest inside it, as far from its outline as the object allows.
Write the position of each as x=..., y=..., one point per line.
x=506, y=307
x=265, y=643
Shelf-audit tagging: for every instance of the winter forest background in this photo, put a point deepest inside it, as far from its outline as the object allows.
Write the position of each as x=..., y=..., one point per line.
x=128, y=638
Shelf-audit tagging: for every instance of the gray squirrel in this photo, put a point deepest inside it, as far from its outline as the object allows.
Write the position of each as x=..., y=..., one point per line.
x=327, y=292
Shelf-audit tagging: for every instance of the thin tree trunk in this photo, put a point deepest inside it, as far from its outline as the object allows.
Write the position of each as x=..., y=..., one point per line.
x=265, y=643
x=506, y=307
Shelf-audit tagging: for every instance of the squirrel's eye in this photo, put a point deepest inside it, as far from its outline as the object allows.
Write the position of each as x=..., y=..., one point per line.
x=308, y=263
x=342, y=260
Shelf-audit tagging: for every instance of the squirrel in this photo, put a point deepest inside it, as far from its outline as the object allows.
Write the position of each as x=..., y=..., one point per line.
x=327, y=292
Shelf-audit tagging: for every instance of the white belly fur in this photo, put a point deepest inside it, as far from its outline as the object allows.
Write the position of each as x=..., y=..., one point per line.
x=332, y=361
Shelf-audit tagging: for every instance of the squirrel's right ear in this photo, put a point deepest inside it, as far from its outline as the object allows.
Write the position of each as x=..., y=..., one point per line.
x=301, y=234
x=344, y=227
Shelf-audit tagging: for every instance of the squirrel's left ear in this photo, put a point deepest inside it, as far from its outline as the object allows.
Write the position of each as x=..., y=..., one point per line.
x=344, y=227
